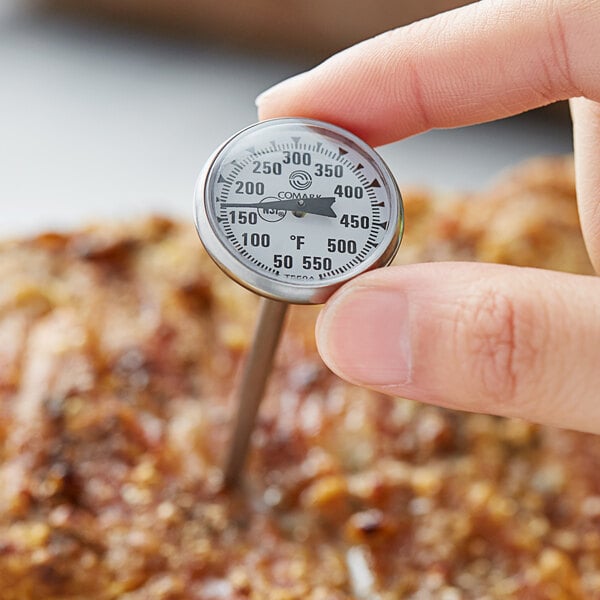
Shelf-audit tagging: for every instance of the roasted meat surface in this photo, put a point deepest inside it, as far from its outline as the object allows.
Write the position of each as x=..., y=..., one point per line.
x=119, y=347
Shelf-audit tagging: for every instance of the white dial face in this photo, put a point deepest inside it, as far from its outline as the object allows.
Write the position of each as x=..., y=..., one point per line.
x=301, y=202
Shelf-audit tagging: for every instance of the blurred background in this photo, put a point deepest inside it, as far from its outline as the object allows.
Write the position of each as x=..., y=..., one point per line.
x=109, y=108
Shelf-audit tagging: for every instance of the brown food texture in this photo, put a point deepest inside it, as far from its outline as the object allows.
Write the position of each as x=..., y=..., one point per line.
x=119, y=346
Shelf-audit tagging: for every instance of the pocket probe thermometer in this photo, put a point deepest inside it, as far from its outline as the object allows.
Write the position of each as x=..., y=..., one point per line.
x=291, y=209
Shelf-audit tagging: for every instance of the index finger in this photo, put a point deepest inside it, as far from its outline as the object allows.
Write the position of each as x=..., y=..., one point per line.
x=481, y=62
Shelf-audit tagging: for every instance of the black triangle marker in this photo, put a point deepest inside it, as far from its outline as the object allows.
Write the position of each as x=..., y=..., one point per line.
x=374, y=183
x=342, y=151
x=221, y=179
x=296, y=140
x=382, y=225
x=360, y=166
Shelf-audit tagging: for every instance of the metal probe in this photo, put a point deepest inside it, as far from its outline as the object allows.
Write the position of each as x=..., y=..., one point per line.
x=252, y=385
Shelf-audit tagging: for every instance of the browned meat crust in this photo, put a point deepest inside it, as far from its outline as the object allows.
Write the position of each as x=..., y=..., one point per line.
x=118, y=348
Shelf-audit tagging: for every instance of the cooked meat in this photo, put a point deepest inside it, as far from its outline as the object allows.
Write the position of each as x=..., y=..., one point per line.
x=119, y=346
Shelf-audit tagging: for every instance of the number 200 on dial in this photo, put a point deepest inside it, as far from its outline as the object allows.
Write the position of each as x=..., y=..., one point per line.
x=292, y=208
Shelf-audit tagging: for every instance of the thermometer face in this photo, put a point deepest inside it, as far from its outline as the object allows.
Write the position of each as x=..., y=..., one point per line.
x=292, y=208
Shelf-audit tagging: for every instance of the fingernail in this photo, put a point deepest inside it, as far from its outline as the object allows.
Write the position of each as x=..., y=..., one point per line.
x=277, y=89
x=363, y=335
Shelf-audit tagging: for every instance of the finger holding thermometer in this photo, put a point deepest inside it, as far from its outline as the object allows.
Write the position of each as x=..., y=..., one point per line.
x=246, y=203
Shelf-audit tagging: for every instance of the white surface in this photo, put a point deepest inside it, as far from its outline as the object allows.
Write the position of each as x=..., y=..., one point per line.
x=97, y=122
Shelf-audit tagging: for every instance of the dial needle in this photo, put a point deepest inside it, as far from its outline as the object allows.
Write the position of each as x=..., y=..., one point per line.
x=313, y=205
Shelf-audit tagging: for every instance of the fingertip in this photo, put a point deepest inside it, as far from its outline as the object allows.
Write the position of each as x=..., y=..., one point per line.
x=325, y=321
x=328, y=321
x=362, y=335
x=277, y=101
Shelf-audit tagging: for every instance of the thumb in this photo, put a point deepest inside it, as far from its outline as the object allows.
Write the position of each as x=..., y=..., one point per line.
x=485, y=338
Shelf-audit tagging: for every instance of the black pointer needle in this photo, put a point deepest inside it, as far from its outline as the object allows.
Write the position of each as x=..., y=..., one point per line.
x=312, y=206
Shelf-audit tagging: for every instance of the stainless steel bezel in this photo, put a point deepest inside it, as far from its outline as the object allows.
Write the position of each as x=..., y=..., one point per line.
x=315, y=292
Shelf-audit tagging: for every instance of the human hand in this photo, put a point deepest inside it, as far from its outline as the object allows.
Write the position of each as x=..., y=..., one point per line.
x=486, y=338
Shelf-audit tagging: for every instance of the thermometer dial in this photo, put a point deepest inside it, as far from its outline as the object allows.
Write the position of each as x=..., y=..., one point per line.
x=292, y=208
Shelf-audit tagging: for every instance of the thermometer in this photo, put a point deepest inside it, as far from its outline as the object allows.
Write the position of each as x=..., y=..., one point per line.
x=291, y=209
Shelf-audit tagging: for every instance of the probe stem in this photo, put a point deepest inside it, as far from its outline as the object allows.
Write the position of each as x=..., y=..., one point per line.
x=252, y=385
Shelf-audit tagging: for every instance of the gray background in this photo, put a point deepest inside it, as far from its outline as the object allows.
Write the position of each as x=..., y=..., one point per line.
x=98, y=121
